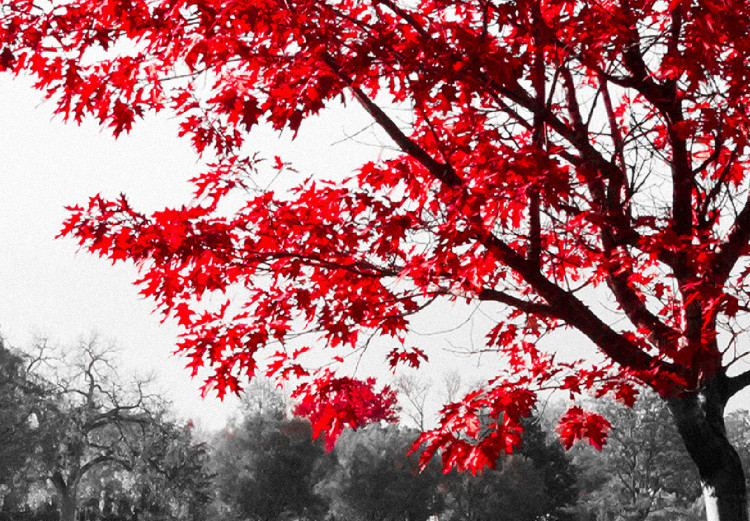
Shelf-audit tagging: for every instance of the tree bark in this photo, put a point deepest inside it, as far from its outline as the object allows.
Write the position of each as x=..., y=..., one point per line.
x=67, y=494
x=700, y=422
x=68, y=507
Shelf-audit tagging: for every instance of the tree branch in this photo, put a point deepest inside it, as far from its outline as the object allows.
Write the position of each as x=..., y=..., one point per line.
x=406, y=17
x=637, y=312
x=534, y=308
x=59, y=482
x=442, y=171
x=102, y=459
x=539, y=137
x=737, y=383
x=734, y=247
x=570, y=309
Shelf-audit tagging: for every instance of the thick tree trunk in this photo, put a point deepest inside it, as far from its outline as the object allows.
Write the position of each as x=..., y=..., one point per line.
x=700, y=421
x=68, y=507
x=67, y=495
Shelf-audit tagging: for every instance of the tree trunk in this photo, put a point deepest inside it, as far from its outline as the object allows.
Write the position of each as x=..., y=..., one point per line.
x=68, y=507
x=67, y=495
x=700, y=421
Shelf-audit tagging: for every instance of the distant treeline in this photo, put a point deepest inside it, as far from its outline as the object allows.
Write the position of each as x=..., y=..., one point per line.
x=78, y=443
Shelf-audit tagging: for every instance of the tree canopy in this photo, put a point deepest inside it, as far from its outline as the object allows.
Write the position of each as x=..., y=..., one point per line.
x=550, y=156
x=267, y=469
x=377, y=480
x=75, y=435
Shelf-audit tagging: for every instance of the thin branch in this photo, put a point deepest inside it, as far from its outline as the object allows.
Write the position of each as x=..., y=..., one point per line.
x=733, y=248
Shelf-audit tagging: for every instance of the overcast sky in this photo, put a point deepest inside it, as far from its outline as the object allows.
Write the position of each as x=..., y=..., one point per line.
x=48, y=289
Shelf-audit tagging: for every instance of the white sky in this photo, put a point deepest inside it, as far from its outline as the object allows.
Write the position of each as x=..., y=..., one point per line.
x=47, y=288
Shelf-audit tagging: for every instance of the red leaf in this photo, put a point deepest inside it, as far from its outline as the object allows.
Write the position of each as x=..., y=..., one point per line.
x=576, y=424
x=332, y=404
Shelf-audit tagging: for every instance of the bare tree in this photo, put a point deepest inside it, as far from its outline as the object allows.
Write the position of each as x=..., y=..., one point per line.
x=261, y=397
x=452, y=386
x=91, y=420
x=413, y=394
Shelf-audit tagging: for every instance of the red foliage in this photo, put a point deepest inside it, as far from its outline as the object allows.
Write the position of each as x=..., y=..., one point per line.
x=333, y=404
x=577, y=424
x=475, y=432
x=554, y=159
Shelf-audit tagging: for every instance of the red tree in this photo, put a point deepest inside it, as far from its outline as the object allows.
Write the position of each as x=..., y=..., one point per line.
x=559, y=153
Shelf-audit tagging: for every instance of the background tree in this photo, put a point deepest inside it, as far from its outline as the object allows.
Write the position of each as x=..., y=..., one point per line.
x=15, y=416
x=556, y=155
x=96, y=422
x=90, y=421
x=21, y=408
x=558, y=474
x=376, y=480
x=644, y=471
x=172, y=477
x=453, y=383
x=267, y=469
x=738, y=432
x=513, y=491
x=537, y=482
x=97, y=449
x=414, y=394
x=263, y=398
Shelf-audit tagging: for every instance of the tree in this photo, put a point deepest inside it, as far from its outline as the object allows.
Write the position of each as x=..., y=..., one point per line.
x=558, y=155
x=738, y=431
x=108, y=451
x=512, y=491
x=558, y=474
x=414, y=393
x=267, y=469
x=644, y=472
x=262, y=398
x=90, y=421
x=377, y=481
x=267, y=466
x=21, y=405
x=172, y=477
x=14, y=413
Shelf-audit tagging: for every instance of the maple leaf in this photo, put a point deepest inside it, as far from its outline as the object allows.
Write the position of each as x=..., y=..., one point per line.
x=333, y=403
x=184, y=314
x=413, y=357
x=123, y=117
x=7, y=59
x=576, y=424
